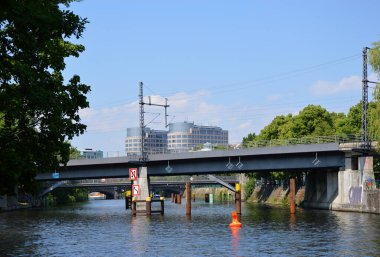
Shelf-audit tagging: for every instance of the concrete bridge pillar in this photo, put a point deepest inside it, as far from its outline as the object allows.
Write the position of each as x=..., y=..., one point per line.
x=321, y=189
x=352, y=181
x=143, y=181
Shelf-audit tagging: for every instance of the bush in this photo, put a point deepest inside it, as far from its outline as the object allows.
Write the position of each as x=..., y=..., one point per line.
x=250, y=187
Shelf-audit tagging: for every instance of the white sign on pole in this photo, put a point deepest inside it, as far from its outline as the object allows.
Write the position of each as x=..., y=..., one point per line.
x=133, y=174
x=135, y=190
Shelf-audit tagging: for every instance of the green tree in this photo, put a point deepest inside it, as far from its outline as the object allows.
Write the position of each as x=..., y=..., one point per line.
x=38, y=110
x=74, y=153
x=313, y=120
x=374, y=57
x=374, y=121
x=277, y=129
x=249, y=138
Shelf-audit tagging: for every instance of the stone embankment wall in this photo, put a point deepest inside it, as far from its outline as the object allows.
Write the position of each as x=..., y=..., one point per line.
x=275, y=195
x=268, y=194
x=371, y=203
x=220, y=193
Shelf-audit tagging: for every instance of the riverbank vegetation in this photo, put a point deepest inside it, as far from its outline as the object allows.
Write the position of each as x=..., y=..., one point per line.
x=64, y=196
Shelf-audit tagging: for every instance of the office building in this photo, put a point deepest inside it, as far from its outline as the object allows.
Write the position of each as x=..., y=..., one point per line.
x=155, y=141
x=185, y=136
x=181, y=137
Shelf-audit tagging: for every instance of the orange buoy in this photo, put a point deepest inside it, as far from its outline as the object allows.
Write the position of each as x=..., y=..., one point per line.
x=235, y=223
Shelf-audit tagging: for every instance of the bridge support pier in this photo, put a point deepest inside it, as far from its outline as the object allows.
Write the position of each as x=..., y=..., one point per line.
x=354, y=183
x=348, y=189
x=321, y=189
x=143, y=181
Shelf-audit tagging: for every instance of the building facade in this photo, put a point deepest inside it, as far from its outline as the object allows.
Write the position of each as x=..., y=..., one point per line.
x=156, y=141
x=185, y=136
x=90, y=154
x=181, y=137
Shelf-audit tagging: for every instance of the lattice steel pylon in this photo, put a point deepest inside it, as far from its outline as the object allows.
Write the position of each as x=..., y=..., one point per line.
x=144, y=154
x=142, y=125
x=365, y=139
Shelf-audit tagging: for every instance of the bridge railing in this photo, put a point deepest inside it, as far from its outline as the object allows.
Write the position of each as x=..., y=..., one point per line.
x=162, y=179
x=303, y=141
x=354, y=141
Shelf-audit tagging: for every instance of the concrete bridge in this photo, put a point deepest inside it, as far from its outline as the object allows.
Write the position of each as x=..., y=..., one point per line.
x=336, y=173
x=327, y=156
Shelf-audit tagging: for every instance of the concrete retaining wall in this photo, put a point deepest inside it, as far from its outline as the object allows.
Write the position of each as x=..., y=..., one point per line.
x=275, y=195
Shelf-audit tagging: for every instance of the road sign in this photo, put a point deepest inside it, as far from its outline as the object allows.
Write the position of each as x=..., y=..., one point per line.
x=135, y=190
x=133, y=174
x=55, y=175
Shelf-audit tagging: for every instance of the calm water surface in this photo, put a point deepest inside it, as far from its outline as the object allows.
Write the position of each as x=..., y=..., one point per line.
x=105, y=228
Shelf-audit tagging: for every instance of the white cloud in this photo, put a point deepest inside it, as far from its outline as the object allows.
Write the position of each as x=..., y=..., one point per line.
x=323, y=87
x=373, y=77
x=105, y=126
x=245, y=125
x=273, y=97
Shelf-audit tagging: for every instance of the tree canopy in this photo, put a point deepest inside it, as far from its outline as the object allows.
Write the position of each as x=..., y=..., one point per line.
x=38, y=110
x=374, y=122
x=315, y=120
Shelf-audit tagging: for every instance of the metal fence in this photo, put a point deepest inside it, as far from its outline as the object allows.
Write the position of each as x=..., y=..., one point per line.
x=348, y=141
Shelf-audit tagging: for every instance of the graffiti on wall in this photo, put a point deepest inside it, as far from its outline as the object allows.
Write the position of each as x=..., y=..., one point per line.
x=355, y=195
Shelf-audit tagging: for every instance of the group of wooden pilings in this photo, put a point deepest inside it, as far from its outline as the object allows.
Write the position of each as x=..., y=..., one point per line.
x=176, y=198
x=131, y=202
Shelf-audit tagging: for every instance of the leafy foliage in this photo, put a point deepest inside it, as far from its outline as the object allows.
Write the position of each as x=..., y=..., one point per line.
x=38, y=111
x=374, y=122
x=314, y=120
x=374, y=57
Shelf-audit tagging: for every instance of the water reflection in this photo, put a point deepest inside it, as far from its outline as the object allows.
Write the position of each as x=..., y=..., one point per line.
x=105, y=228
x=235, y=239
x=293, y=221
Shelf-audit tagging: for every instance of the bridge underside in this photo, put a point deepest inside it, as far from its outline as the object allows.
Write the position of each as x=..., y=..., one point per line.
x=286, y=162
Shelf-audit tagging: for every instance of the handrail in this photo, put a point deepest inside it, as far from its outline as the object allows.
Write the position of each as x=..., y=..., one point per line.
x=356, y=140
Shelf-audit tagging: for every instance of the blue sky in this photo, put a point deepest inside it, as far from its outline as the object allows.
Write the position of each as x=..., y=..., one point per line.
x=233, y=64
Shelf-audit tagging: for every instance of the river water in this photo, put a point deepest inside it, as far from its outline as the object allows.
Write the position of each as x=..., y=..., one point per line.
x=105, y=228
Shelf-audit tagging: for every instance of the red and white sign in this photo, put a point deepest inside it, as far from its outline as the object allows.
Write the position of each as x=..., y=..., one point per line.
x=136, y=190
x=133, y=174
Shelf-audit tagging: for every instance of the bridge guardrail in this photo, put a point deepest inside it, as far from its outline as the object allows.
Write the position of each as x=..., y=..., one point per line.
x=355, y=141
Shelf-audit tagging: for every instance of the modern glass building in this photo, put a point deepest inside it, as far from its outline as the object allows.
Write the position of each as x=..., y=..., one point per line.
x=184, y=136
x=181, y=137
x=155, y=141
x=90, y=154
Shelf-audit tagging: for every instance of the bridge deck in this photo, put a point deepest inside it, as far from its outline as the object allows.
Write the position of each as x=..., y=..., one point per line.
x=295, y=157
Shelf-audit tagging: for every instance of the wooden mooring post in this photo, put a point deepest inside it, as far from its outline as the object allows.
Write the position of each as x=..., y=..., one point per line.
x=148, y=202
x=292, y=196
x=128, y=199
x=179, y=199
x=188, y=198
x=238, y=198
